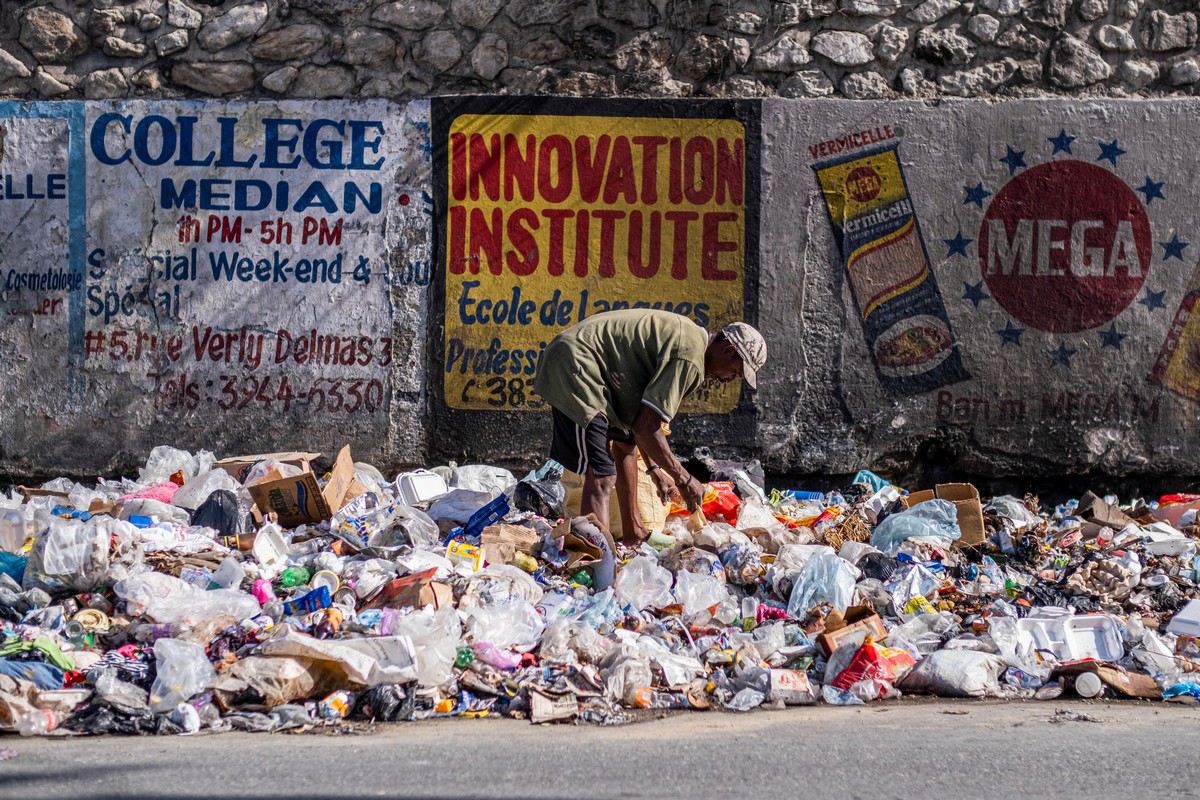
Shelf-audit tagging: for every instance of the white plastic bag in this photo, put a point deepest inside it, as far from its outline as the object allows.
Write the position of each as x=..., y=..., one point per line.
x=698, y=592
x=483, y=478
x=70, y=555
x=642, y=583
x=956, y=673
x=826, y=578
x=164, y=462
x=457, y=505
x=183, y=672
x=167, y=599
x=511, y=626
x=196, y=490
x=436, y=636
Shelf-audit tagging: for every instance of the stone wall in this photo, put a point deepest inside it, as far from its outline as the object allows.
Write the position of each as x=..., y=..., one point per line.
x=402, y=49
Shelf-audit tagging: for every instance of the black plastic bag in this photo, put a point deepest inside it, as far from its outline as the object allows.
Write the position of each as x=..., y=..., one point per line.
x=389, y=702
x=879, y=566
x=546, y=497
x=219, y=512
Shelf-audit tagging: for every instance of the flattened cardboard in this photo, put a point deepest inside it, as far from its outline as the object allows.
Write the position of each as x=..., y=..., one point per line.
x=28, y=493
x=1121, y=681
x=967, y=506
x=543, y=708
x=300, y=499
x=238, y=466
x=502, y=542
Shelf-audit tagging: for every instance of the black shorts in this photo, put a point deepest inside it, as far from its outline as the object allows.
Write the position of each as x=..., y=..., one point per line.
x=580, y=449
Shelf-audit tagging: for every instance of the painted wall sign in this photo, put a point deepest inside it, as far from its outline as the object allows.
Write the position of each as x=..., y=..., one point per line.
x=556, y=211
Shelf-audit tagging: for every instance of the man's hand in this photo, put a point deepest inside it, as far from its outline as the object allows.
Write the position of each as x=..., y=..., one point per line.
x=663, y=484
x=693, y=493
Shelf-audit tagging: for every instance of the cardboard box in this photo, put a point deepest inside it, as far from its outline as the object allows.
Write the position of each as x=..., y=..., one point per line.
x=412, y=591
x=299, y=499
x=28, y=493
x=792, y=687
x=965, y=498
x=855, y=619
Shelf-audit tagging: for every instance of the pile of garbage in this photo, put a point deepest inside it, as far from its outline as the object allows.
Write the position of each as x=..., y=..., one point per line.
x=254, y=594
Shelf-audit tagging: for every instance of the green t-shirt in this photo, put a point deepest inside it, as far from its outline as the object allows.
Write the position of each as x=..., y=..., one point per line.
x=618, y=361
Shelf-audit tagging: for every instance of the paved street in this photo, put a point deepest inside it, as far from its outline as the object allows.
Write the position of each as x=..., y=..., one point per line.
x=914, y=749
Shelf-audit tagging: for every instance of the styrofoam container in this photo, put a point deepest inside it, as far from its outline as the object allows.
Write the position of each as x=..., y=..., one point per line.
x=1069, y=638
x=419, y=486
x=1187, y=621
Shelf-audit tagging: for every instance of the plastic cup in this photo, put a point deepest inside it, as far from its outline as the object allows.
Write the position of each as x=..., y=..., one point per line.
x=327, y=578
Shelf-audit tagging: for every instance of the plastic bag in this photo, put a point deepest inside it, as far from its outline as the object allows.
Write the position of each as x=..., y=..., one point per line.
x=221, y=512
x=436, y=636
x=642, y=583
x=513, y=626
x=167, y=599
x=195, y=491
x=573, y=642
x=483, y=478
x=457, y=505
x=698, y=592
x=271, y=681
x=500, y=584
x=542, y=492
x=164, y=462
x=70, y=555
x=183, y=671
x=936, y=519
x=826, y=578
x=956, y=673
x=626, y=670
x=756, y=518
x=721, y=502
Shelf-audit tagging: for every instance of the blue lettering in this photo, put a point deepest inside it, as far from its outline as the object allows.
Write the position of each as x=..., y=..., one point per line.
x=274, y=142
x=316, y=196
x=228, y=157
x=100, y=130
x=465, y=302
x=141, y=140
x=187, y=136
x=359, y=143
x=183, y=197
x=311, y=153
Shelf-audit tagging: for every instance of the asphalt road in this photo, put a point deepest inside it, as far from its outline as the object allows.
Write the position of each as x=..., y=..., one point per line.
x=909, y=749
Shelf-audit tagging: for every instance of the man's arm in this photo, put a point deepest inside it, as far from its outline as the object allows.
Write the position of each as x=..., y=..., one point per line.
x=647, y=432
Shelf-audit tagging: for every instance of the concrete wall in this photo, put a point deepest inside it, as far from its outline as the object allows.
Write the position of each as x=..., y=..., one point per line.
x=400, y=49
x=1005, y=288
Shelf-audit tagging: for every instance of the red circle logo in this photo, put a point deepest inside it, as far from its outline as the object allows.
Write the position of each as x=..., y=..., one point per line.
x=1065, y=246
x=863, y=184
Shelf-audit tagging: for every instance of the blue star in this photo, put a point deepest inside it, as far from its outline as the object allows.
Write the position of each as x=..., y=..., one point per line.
x=1173, y=248
x=1061, y=356
x=1013, y=159
x=1062, y=143
x=975, y=195
x=975, y=293
x=1152, y=190
x=1153, y=300
x=1010, y=334
x=1110, y=152
x=957, y=245
x=1110, y=337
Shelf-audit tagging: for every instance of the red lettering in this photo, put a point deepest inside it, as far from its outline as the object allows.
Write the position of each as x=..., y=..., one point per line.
x=484, y=166
x=560, y=147
x=591, y=170
x=650, y=145
x=488, y=240
x=457, y=237
x=620, y=182
x=637, y=267
x=679, y=241
x=518, y=170
x=731, y=172
x=582, y=243
x=608, y=224
x=712, y=245
x=698, y=182
x=458, y=166
x=522, y=258
x=558, y=218
x=675, y=171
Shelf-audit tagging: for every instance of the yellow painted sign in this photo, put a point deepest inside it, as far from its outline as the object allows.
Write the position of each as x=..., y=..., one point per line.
x=552, y=219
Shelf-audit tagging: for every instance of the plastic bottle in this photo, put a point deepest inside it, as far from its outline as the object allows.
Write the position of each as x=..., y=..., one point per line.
x=12, y=531
x=749, y=613
x=38, y=722
x=295, y=576
x=1088, y=685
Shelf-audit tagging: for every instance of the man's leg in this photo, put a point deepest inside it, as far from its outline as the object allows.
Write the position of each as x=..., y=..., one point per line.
x=585, y=450
x=633, y=530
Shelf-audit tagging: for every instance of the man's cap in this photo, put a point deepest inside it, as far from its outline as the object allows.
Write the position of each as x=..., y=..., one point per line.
x=750, y=346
